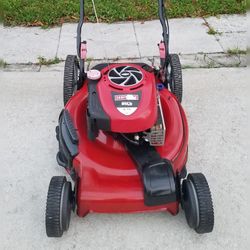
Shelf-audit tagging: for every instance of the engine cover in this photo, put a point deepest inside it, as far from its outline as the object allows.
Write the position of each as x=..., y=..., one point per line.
x=124, y=99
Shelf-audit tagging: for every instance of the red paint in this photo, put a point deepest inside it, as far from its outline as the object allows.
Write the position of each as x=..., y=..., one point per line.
x=108, y=179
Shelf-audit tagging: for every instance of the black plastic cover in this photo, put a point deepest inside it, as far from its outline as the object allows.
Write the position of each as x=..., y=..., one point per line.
x=68, y=140
x=96, y=116
x=159, y=184
x=156, y=174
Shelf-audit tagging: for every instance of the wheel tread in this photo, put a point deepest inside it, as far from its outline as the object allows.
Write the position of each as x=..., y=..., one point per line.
x=52, y=221
x=206, y=211
x=68, y=82
x=175, y=63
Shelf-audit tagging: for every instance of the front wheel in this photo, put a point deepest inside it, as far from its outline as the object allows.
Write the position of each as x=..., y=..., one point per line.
x=59, y=206
x=197, y=203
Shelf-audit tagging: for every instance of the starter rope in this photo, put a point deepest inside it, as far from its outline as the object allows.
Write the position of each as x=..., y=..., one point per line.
x=102, y=32
x=96, y=16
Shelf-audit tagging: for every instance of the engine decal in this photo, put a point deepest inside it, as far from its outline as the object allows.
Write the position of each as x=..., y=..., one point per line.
x=128, y=103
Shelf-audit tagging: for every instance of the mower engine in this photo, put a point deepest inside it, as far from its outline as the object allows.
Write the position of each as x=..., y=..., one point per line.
x=124, y=99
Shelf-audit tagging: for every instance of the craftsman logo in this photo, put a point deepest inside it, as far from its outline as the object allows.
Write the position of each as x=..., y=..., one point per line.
x=127, y=97
x=126, y=104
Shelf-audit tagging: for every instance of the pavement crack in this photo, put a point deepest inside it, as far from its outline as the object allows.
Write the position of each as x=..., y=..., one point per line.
x=201, y=60
x=136, y=38
x=59, y=39
x=216, y=35
x=213, y=61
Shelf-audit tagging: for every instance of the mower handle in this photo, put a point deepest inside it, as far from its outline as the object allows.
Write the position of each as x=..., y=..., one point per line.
x=79, y=27
x=163, y=20
x=79, y=37
x=164, y=24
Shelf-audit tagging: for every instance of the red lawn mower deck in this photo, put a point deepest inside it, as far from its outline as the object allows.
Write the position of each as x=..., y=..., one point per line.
x=123, y=139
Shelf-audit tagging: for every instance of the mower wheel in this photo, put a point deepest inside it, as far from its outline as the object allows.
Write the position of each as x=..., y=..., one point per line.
x=175, y=76
x=71, y=77
x=197, y=203
x=59, y=206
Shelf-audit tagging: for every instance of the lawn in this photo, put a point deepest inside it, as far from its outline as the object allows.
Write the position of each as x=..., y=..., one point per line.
x=53, y=12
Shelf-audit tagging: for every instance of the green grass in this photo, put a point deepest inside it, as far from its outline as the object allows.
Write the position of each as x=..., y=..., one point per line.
x=3, y=64
x=212, y=31
x=53, y=12
x=236, y=51
x=47, y=62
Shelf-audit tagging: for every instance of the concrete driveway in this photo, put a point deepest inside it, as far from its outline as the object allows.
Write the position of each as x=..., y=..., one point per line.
x=216, y=102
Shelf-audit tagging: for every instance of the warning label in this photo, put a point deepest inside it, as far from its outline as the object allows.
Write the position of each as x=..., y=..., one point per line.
x=128, y=103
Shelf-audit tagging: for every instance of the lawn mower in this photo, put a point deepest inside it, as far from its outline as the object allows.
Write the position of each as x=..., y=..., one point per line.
x=123, y=140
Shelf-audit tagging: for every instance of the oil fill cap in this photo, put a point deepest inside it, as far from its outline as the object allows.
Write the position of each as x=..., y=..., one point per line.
x=94, y=74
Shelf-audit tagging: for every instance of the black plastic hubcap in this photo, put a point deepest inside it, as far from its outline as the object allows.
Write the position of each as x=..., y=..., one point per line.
x=190, y=203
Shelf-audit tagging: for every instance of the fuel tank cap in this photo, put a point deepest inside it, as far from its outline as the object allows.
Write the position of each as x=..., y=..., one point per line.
x=94, y=74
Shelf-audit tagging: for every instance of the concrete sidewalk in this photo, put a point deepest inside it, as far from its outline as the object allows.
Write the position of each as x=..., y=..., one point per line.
x=216, y=102
x=189, y=38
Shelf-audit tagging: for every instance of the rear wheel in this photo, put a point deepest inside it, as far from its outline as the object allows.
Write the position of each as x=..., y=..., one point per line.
x=71, y=77
x=197, y=203
x=175, y=76
x=59, y=206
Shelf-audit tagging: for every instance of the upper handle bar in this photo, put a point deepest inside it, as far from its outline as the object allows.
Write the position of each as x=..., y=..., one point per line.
x=163, y=20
